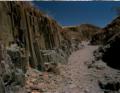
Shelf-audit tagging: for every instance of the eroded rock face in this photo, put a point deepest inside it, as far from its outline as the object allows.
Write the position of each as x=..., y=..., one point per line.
x=30, y=39
x=31, y=31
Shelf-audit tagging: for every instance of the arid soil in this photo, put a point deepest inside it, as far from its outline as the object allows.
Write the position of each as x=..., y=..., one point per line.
x=82, y=74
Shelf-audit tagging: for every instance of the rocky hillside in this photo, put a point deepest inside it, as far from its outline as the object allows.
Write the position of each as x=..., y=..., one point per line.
x=107, y=33
x=109, y=39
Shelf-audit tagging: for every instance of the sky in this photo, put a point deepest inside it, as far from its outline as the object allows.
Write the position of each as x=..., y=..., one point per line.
x=76, y=13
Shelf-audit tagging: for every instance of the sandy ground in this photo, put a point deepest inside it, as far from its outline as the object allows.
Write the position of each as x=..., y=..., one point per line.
x=76, y=77
x=81, y=79
x=77, y=72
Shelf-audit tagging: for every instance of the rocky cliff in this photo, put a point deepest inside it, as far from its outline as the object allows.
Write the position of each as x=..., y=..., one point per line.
x=27, y=28
x=28, y=39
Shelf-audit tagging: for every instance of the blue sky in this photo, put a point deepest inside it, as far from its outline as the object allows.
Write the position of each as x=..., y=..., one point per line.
x=76, y=13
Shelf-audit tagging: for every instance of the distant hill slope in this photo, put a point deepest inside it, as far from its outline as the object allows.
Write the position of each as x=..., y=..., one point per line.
x=81, y=32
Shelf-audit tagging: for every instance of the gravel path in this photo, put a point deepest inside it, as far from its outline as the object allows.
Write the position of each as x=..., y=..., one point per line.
x=77, y=74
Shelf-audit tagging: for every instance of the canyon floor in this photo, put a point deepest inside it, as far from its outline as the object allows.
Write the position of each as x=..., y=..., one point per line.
x=81, y=74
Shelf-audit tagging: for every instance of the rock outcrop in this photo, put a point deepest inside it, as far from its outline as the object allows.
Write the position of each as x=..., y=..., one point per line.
x=31, y=39
x=109, y=39
x=33, y=32
x=107, y=33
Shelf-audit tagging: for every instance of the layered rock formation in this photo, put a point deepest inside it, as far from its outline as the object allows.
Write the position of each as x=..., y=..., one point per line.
x=30, y=30
x=30, y=39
